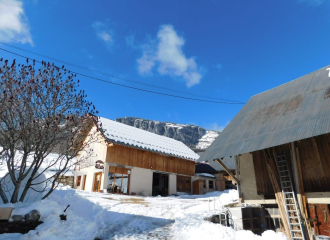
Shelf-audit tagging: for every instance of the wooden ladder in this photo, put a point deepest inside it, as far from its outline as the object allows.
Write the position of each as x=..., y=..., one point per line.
x=290, y=201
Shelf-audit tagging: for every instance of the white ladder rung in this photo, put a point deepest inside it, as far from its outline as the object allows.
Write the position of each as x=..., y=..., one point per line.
x=289, y=197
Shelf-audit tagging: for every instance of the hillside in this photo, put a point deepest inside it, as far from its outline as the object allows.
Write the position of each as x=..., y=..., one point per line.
x=193, y=136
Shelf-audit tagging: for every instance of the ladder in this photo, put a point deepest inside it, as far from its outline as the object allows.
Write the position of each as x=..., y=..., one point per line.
x=290, y=202
x=223, y=218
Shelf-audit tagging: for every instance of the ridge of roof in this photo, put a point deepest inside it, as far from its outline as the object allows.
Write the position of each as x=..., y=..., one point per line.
x=296, y=79
x=126, y=135
x=293, y=111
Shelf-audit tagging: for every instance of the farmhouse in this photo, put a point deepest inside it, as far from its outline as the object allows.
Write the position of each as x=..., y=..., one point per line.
x=280, y=142
x=128, y=160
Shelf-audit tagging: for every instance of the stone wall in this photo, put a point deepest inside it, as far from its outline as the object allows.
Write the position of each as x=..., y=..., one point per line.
x=67, y=180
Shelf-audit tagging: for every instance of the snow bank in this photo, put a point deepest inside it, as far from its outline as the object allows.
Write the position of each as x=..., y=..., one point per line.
x=111, y=216
x=32, y=195
x=205, y=175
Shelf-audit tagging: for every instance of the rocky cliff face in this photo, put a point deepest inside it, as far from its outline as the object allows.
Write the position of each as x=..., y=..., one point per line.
x=190, y=135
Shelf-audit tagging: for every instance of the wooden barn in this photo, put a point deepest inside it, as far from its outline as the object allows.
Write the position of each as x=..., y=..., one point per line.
x=280, y=141
x=128, y=160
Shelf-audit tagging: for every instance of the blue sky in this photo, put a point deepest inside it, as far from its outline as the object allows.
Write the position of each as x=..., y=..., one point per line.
x=220, y=49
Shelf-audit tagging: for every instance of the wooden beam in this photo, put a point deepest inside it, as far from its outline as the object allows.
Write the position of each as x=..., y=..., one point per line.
x=274, y=178
x=299, y=188
x=305, y=207
x=227, y=170
x=238, y=173
x=301, y=183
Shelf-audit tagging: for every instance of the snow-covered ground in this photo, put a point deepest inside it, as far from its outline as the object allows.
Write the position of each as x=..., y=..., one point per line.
x=207, y=139
x=109, y=216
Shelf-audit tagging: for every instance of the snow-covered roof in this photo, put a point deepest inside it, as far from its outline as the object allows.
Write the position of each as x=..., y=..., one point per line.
x=123, y=134
x=205, y=175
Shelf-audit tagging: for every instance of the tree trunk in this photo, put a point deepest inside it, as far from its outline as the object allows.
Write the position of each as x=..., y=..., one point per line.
x=14, y=197
x=3, y=195
x=26, y=188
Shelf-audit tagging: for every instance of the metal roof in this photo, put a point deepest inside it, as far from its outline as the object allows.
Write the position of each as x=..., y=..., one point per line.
x=293, y=111
x=123, y=134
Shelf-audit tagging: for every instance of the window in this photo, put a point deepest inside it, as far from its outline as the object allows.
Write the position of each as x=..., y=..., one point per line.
x=78, y=181
x=118, y=180
x=211, y=184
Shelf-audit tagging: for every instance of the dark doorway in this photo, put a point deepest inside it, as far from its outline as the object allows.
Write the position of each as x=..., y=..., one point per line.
x=159, y=184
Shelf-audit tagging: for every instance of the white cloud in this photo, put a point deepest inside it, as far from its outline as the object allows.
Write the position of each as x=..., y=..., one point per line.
x=169, y=57
x=14, y=26
x=104, y=33
x=145, y=63
x=216, y=127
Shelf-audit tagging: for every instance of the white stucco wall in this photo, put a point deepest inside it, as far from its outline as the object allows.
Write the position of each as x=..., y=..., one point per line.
x=141, y=181
x=86, y=162
x=99, y=146
x=89, y=171
x=247, y=178
x=172, y=178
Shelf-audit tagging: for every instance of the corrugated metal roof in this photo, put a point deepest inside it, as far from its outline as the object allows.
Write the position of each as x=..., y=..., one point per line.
x=293, y=111
x=123, y=134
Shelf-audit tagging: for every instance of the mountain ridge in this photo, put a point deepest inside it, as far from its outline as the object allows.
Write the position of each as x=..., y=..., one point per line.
x=195, y=137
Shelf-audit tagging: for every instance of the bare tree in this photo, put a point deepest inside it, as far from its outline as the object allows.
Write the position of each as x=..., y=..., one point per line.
x=41, y=110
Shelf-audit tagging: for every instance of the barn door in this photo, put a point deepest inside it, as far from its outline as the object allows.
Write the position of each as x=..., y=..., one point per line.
x=184, y=184
x=97, y=181
x=320, y=213
x=196, y=187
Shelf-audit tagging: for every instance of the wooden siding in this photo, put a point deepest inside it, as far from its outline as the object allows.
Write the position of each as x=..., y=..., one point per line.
x=264, y=186
x=139, y=158
x=183, y=184
x=119, y=170
x=314, y=154
x=315, y=162
x=319, y=213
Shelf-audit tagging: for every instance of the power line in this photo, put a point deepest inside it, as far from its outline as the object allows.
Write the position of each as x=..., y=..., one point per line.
x=116, y=77
x=126, y=86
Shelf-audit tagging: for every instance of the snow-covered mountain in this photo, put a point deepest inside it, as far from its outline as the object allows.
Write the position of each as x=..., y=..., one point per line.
x=193, y=136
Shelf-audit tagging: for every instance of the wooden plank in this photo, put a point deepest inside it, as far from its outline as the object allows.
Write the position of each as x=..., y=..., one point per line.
x=264, y=185
x=83, y=188
x=323, y=143
x=196, y=187
x=318, y=161
x=299, y=186
x=273, y=175
x=227, y=170
x=183, y=184
x=144, y=159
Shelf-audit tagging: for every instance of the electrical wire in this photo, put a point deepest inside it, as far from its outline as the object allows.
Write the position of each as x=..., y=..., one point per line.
x=116, y=77
x=130, y=87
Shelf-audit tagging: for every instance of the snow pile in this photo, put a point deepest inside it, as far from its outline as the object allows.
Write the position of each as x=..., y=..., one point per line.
x=207, y=139
x=111, y=216
x=45, y=172
x=205, y=175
